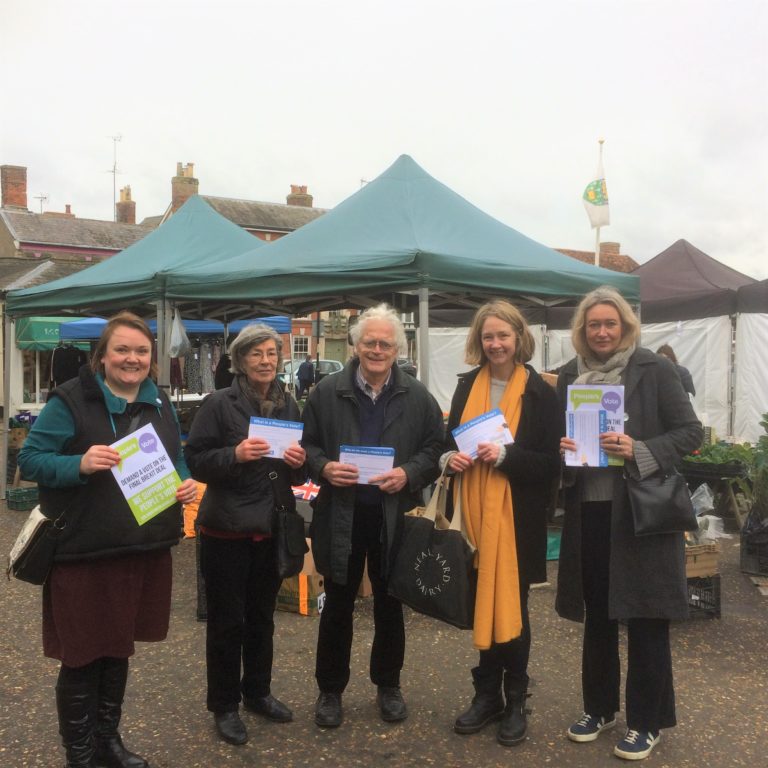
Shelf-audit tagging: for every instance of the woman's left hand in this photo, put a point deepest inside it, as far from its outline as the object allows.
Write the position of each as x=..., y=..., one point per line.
x=186, y=493
x=294, y=456
x=488, y=452
x=616, y=444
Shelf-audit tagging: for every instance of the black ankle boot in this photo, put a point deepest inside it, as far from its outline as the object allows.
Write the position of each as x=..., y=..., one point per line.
x=487, y=704
x=110, y=751
x=76, y=707
x=514, y=725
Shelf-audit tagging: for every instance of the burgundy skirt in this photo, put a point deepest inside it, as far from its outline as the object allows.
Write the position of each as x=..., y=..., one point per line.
x=98, y=608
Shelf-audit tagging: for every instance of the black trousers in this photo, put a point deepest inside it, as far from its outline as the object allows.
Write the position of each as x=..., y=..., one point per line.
x=510, y=657
x=334, y=639
x=241, y=585
x=649, y=694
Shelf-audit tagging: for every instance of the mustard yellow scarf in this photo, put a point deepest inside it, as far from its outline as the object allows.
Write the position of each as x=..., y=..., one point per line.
x=486, y=501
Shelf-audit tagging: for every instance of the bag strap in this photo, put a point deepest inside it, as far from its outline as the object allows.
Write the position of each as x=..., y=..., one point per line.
x=278, y=491
x=437, y=502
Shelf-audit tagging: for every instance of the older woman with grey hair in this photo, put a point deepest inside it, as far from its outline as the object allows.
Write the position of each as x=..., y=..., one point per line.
x=237, y=551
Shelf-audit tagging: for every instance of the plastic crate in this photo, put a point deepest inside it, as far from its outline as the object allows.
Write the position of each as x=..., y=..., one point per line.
x=754, y=552
x=22, y=498
x=704, y=597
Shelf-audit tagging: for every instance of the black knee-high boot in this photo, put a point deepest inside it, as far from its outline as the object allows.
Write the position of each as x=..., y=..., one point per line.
x=76, y=695
x=110, y=752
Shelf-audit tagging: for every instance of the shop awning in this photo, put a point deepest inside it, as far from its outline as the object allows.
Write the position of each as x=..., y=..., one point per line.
x=41, y=333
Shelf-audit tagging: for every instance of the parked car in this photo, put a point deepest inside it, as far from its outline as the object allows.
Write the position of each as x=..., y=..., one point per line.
x=323, y=368
x=407, y=365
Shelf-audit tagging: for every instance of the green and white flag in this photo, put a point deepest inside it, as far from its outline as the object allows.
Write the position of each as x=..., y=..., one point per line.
x=596, y=200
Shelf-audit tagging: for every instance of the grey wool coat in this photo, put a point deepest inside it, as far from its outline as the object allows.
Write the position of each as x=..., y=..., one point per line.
x=413, y=426
x=646, y=573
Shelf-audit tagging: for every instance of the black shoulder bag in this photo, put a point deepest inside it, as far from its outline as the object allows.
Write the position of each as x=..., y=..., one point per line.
x=288, y=530
x=661, y=503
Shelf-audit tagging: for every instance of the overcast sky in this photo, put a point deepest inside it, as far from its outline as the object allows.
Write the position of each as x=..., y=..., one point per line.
x=503, y=101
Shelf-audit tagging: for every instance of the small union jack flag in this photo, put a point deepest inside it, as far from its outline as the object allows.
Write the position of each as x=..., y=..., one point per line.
x=307, y=491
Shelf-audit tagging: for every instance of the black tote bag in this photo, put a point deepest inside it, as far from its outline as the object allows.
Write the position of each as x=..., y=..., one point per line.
x=434, y=572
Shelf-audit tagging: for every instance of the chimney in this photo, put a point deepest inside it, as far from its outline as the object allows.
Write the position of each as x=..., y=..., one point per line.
x=299, y=196
x=125, y=208
x=609, y=249
x=183, y=185
x=13, y=180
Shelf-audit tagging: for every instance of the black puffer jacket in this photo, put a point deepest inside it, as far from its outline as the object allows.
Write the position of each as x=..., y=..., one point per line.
x=239, y=497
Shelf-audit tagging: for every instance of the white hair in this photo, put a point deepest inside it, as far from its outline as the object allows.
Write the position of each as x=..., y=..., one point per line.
x=385, y=313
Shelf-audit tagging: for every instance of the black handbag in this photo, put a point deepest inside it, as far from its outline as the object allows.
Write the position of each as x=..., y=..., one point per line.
x=434, y=571
x=288, y=532
x=661, y=503
x=31, y=557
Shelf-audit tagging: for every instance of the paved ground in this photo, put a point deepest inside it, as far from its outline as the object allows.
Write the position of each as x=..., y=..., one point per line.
x=720, y=670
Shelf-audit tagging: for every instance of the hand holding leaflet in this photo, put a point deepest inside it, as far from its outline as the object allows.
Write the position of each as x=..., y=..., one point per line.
x=490, y=427
x=145, y=474
x=370, y=461
x=593, y=410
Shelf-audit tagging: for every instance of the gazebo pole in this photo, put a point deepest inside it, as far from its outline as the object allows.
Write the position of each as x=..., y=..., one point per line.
x=8, y=326
x=424, y=335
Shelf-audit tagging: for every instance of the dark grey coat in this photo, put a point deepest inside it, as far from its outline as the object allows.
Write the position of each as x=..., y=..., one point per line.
x=413, y=426
x=647, y=573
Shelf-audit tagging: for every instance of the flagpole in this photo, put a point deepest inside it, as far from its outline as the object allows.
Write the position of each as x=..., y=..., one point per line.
x=597, y=229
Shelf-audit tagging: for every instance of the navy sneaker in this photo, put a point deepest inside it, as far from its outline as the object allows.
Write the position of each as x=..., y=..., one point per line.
x=589, y=727
x=636, y=745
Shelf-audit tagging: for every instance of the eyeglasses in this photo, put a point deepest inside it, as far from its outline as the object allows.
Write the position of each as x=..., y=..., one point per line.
x=257, y=354
x=384, y=346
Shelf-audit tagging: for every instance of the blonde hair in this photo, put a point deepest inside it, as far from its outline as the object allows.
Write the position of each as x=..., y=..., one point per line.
x=503, y=310
x=630, y=325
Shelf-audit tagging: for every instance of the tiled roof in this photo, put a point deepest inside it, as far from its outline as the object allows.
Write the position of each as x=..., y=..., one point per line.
x=275, y=217
x=26, y=273
x=72, y=232
x=614, y=261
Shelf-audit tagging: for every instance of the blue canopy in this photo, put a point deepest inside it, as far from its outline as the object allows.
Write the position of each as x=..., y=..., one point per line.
x=91, y=327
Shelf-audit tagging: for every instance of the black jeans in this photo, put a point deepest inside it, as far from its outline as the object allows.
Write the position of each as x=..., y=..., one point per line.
x=241, y=585
x=334, y=639
x=510, y=657
x=650, y=695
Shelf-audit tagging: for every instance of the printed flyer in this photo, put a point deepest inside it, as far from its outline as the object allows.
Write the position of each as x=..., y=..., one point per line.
x=490, y=427
x=279, y=434
x=145, y=474
x=592, y=410
x=370, y=460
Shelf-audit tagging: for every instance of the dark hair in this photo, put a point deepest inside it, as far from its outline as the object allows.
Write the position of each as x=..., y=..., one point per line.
x=668, y=352
x=122, y=319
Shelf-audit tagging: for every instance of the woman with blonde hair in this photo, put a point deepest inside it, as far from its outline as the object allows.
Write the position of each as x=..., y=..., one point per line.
x=505, y=492
x=607, y=574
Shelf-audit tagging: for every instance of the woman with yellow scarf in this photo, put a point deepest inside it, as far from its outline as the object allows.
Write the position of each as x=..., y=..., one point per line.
x=505, y=491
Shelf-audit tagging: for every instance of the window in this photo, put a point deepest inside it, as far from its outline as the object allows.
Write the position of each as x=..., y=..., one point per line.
x=300, y=346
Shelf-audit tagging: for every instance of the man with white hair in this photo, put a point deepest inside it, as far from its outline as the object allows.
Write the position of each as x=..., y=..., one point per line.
x=370, y=403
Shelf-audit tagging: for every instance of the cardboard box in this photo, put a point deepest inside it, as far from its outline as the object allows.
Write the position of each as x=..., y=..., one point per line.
x=702, y=560
x=305, y=593
x=17, y=436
